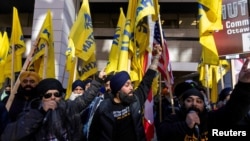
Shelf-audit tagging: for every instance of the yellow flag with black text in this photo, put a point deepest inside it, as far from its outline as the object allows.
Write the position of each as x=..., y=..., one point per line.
x=17, y=41
x=70, y=66
x=82, y=33
x=87, y=68
x=43, y=59
x=115, y=48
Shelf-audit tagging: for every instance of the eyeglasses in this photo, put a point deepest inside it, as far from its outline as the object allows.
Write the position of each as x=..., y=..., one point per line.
x=48, y=95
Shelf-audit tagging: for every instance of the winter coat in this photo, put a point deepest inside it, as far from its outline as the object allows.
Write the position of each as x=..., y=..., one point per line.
x=175, y=128
x=31, y=127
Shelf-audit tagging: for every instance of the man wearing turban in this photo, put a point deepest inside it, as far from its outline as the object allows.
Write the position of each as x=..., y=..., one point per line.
x=25, y=93
x=120, y=118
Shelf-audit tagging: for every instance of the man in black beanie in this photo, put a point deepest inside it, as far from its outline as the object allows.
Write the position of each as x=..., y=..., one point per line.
x=120, y=118
x=52, y=117
x=194, y=123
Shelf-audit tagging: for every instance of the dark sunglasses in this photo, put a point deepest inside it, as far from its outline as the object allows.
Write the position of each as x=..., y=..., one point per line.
x=48, y=95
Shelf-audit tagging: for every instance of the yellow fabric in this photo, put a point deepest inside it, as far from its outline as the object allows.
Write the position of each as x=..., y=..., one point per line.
x=211, y=78
x=4, y=47
x=210, y=20
x=82, y=33
x=17, y=41
x=70, y=66
x=46, y=39
x=144, y=9
x=115, y=48
x=88, y=68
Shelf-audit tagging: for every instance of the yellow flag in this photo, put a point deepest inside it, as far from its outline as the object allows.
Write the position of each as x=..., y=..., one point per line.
x=16, y=41
x=1, y=37
x=210, y=20
x=218, y=73
x=124, y=49
x=4, y=48
x=43, y=59
x=144, y=8
x=88, y=68
x=115, y=48
x=70, y=66
x=82, y=33
x=70, y=55
x=17, y=38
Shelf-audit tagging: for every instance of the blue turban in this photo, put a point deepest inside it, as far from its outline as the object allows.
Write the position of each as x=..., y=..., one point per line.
x=78, y=83
x=118, y=80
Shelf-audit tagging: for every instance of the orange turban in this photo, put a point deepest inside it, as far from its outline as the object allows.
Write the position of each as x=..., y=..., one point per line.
x=32, y=74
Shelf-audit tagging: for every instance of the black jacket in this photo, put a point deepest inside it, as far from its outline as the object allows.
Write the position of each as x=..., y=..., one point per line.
x=175, y=128
x=30, y=126
x=103, y=121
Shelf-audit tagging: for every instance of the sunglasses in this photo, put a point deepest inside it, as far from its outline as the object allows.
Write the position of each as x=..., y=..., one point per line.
x=48, y=95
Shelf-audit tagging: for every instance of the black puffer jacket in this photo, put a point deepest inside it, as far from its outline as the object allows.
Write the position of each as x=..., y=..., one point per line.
x=30, y=126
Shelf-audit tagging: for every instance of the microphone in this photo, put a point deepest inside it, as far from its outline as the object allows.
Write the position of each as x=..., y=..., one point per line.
x=196, y=127
x=46, y=116
x=197, y=130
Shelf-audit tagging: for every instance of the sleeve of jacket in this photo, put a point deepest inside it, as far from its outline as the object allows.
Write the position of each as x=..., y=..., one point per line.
x=94, y=129
x=4, y=118
x=143, y=89
x=84, y=100
x=236, y=108
x=24, y=127
x=172, y=128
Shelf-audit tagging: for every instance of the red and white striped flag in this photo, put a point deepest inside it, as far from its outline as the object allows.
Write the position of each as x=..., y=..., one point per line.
x=164, y=65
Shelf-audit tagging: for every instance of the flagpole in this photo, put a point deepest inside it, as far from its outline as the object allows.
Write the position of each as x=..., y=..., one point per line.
x=221, y=76
x=160, y=99
x=17, y=83
x=168, y=77
x=207, y=77
x=12, y=65
x=45, y=60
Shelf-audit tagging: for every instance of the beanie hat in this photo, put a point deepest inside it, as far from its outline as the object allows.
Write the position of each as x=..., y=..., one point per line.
x=109, y=76
x=49, y=84
x=32, y=74
x=78, y=83
x=181, y=88
x=224, y=93
x=118, y=80
x=85, y=82
x=192, y=92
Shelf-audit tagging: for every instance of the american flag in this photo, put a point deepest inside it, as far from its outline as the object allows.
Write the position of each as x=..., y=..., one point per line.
x=164, y=65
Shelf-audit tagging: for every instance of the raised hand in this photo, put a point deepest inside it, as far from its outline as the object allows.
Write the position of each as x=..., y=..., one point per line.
x=244, y=75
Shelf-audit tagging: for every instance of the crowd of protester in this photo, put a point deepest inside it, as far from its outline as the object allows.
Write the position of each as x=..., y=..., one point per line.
x=109, y=108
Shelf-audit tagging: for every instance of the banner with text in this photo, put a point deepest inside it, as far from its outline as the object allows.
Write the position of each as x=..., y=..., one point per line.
x=235, y=36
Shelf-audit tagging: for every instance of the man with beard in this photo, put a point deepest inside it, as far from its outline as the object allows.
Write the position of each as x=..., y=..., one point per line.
x=194, y=123
x=25, y=93
x=120, y=118
x=55, y=119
